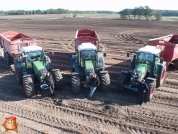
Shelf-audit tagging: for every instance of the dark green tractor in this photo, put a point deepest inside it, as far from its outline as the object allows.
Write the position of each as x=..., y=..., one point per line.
x=85, y=62
x=31, y=67
x=146, y=64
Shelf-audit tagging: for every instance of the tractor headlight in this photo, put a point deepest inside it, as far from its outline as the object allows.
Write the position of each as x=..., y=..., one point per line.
x=41, y=77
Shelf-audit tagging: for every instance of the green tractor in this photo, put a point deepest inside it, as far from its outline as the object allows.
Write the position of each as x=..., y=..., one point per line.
x=146, y=64
x=31, y=67
x=86, y=61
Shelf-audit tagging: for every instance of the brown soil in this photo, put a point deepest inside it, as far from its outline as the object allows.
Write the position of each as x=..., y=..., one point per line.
x=108, y=113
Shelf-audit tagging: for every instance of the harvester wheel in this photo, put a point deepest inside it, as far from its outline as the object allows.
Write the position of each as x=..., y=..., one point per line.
x=19, y=76
x=28, y=86
x=104, y=82
x=161, y=77
x=57, y=78
x=152, y=88
x=75, y=84
x=120, y=82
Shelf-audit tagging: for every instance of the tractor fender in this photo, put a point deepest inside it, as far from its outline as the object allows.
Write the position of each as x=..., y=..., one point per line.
x=160, y=68
x=124, y=72
x=150, y=79
x=74, y=73
x=28, y=75
x=103, y=72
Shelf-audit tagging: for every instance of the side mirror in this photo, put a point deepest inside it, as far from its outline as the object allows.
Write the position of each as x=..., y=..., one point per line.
x=128, y=54
x=104, y=54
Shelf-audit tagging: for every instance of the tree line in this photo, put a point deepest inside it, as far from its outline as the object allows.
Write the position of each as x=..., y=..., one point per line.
x=50, y=11
x=136, y=13
x=140, y=12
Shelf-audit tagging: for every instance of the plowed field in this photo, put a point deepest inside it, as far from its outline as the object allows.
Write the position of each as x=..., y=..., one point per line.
x=107, y=113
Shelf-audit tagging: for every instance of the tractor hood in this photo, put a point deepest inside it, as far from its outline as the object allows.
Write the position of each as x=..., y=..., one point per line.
x=40, y=70
x=89, y=69
x=140, y=70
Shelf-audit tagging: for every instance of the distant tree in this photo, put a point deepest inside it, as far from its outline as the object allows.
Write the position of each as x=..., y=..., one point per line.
x=158, y=15
x=74, y=16
x=125, y=14
x=135, y=12
x=140, y=12
x=148, y=12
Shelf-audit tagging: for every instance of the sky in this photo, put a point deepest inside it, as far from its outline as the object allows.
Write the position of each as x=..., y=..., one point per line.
x=111, y=5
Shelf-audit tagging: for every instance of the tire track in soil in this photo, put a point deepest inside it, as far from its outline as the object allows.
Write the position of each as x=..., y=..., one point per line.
x=48, y=119
x=28, y=103
x=17, y=109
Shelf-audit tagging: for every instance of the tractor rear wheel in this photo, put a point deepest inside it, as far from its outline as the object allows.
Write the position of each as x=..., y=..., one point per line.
x=104, y=82
x=28, y=86
x=152, y=88
x=57, y=78
x=121, y=81
x=75, y=84
x=19, y=76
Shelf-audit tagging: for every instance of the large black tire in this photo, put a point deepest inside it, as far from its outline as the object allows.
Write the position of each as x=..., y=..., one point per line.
x=57, y=78
x=104, y=82
x=8, y=58
x=152, y=88
x=19, y=76
x=121, y=81
x=28, y=86
x=161, y=77
x=75, y=79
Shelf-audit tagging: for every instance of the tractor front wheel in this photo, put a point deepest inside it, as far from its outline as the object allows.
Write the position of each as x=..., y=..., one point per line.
x=28, y=86
x=121, y=81
x=75, y=84
x=57, y=78
x=150, y=92
x=104, y=82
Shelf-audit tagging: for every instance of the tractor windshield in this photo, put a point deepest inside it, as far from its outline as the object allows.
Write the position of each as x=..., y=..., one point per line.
x=145, y=57
x=87, y=55
x=34, y=55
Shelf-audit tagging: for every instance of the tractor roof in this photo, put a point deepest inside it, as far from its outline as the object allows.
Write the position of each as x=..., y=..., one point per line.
x=30, y=48
x=86, y=46
x=150, y=49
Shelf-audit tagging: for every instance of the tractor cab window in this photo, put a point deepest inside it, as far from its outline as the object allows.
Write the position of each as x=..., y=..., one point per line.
x=34, y=54
x=87, y=55
x=143, y=57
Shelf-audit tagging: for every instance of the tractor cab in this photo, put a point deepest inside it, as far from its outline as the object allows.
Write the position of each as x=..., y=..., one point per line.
x=87, y=59
x=145, y=62
x=35, y=53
